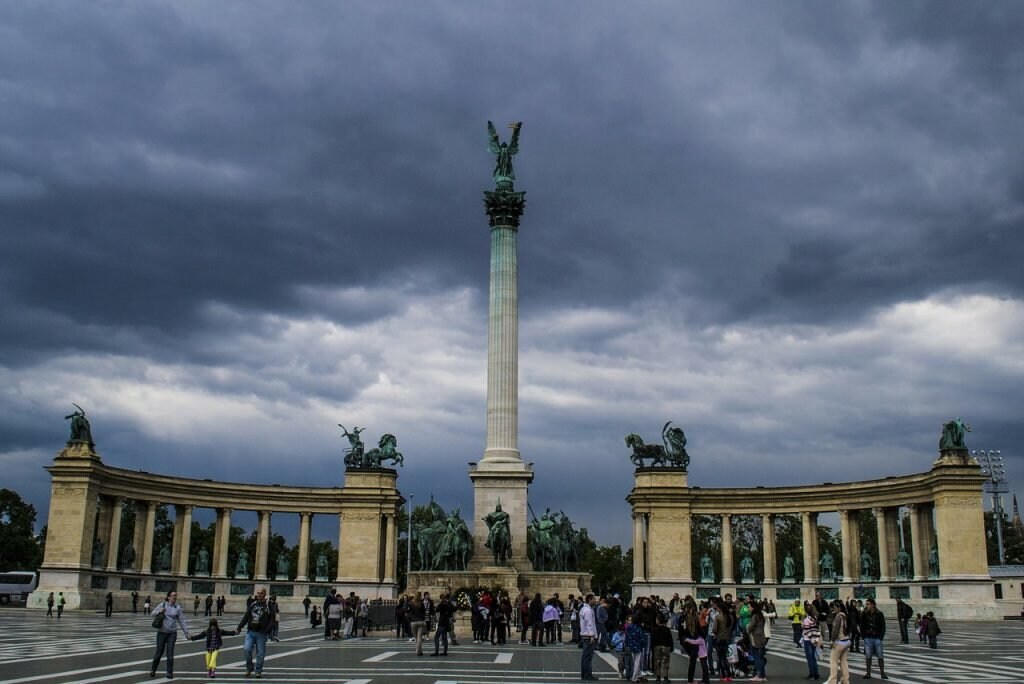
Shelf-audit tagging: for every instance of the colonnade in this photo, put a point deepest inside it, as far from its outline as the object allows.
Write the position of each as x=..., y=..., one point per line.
x=946, y=550
x=108, y=533
x=85, y=508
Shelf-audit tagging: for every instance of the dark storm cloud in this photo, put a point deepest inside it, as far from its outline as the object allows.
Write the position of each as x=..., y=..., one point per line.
x=265, y=214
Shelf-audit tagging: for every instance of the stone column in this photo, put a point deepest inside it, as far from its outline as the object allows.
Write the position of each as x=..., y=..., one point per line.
x=768, y=543
x=301, y=572
x=810, y=543
x=179, y=525
x=638, y=549
x=883, y=545
x=262, y=546
x=918, y=552
x=106, y=512
x=115, y=534
x=341, y=546
x=892, y=540
x=928, y=537
x=504, y=209
x=390, y=555
x=184, y=539
x=149, y=527
x=850, y=532
x=220, y=543
x=727, y=567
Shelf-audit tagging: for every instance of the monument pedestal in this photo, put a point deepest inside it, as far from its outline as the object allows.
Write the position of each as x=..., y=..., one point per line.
x=505, y=482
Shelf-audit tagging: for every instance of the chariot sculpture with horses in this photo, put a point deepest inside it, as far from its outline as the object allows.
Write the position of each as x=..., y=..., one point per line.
x=672, y=454
x=357, y=457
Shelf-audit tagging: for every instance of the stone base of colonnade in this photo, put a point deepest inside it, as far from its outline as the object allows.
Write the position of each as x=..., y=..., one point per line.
x=507, y=579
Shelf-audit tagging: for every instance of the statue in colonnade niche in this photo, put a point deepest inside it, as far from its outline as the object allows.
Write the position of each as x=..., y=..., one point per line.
x=283, y=566
x=788, y=568
x=321, y=568
x=866, y=564
x=828, y=567
x=163, y=560
x=203, y=562
x=747, y=570
x=128, y=558
x=242, y=566
x=933, y=562
x=707, y=570
x=903, y=565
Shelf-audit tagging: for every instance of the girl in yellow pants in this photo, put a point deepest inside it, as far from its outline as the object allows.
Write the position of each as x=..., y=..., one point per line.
x=214, y=640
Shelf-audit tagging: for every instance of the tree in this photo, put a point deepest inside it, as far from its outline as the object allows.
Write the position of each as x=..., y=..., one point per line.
x=789, y=541
x=611, y=569
x=19, y=549
x=1013, y=541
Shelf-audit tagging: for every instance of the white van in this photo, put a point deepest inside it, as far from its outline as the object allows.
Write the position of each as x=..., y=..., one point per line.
x=17, y=585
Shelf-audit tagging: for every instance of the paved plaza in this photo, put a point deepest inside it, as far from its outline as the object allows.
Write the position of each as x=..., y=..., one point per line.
x=85, y=647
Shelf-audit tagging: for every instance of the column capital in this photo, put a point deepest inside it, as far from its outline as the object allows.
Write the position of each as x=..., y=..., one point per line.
x=504, y=208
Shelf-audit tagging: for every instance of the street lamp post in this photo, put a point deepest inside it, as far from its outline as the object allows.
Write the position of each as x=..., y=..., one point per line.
x=408, y=542
x=996, y=485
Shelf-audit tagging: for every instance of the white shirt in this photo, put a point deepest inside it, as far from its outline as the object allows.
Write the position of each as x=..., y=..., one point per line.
x=588, y=627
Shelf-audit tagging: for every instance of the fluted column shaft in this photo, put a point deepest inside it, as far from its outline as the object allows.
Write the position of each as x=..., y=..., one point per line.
x=727, y=571
x=883, y=544
x=638, y=548
x=147, y=537
x=810, y=544
x=115, y=534
x=768, y=544
x=302, y=572
x=220, y=545
x=503, y=347
x=183, y=539
x=918, y=550
x=390, y=557
x=850, y=527
x=341, y=547
x=262, y=545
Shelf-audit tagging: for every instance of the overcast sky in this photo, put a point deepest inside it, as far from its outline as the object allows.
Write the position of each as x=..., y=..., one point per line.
x=795, y=229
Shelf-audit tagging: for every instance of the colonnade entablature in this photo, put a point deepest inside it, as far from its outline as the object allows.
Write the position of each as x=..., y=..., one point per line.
x=86, y=555
x=945, y=561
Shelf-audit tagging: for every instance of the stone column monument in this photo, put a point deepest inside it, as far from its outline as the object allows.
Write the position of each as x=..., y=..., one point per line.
x=501, y=475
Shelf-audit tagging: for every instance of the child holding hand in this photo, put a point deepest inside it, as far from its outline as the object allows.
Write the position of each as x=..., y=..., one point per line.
x=214, y=640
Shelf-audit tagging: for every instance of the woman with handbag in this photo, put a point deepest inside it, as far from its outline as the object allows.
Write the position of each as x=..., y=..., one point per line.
x=167, y=617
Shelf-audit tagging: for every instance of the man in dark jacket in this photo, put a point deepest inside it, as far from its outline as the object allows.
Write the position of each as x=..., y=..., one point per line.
x=537, y=621
x=258, y=621
x=872, y=629
x=904, y=613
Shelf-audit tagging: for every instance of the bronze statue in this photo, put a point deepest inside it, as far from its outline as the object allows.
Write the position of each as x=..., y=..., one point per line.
x=81, y=431
x=203, y=562
x=707, y=570
x=354, y=454
x=386, y=450
x=499, y=536
x=504, y=174
x=672, y=454
x=953, y=434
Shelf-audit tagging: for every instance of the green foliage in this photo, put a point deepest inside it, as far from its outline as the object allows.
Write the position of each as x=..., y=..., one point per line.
x=201, y=538
x=19, y=548
x=1013, y=541
x=706, y=540
x=127, y=528
x=789, y=540
x=611, y=569
x=328, y=549
x=163, y=533
x=868, y=535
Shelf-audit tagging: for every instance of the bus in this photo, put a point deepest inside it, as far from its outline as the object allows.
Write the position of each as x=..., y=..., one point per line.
x=17, y=585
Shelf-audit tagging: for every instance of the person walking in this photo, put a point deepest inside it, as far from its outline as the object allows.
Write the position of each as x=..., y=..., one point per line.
x=61, y=602
x=167, y=632
x=588, y=638
x=49, y=605
x=306, y=603
x=135, y=602
x=811, y=640
x=209, y=606
x=417, y=621
x=932, y=630
x=661, y=645
x=108, y=604
x=445, y=611
x=537, y=621
x=758, y=640
x=838, y=659
x=214, y=636
x=904, y=613
x=195, y=606
x=796, y=616
x=258, y=620
x=872, y=630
